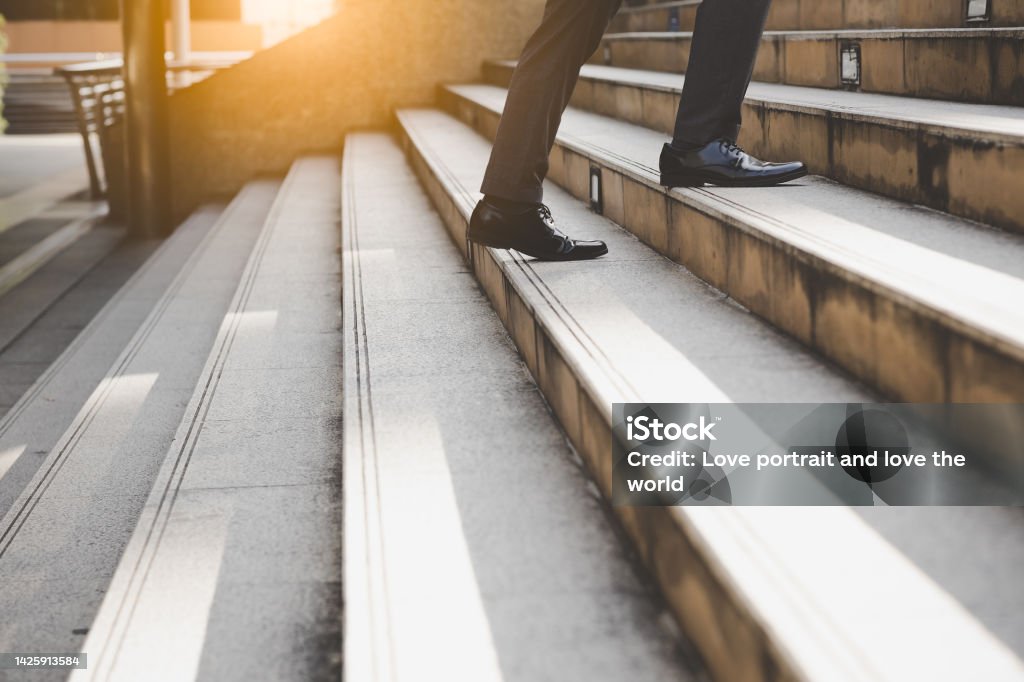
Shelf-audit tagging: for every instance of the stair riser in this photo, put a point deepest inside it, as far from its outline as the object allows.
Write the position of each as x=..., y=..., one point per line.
x=654, y=19
x=970, y=69
x=733, y=645
x=949, y=170
x=906, y=351
x=818, y=15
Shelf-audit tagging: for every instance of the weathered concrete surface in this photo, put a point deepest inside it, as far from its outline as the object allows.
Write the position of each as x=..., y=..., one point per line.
x=475, y=547
x=898, y=295
x=61, y=539
x=806, y=15
x=347, y=73
x=61, y=386
x=50, y=275
x=957, y=157
x=981, y=65
x=234, y=569
x=735, y=577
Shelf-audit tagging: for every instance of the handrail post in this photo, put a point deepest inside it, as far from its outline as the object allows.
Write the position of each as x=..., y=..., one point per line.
x=146, y=118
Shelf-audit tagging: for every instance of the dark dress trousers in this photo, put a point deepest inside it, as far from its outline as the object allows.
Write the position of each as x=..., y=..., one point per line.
x=722, y=54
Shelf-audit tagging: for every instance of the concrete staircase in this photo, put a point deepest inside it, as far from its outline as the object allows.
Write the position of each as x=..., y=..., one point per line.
x=316, y=433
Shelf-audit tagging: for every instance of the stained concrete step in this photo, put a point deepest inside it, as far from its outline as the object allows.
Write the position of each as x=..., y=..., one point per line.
x=49, y=403
x=981, y=65
x=475, y=548
x=61, y=539
x=233, y=571
x=964, y=159
x=764, y=593
x=804, y=15
x=918, y=304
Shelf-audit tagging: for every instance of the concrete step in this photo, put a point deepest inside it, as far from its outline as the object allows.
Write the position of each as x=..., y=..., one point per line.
x=37, y=278
x=981, y=65
x=900, y=296
x=53, y=397
x=42, y=193
x=23, y=250
x=816, y=15
x=763, y=593
x=35, y=349
x=464, y=504
x=61, y=539
x=233, y=571
x=964, y=159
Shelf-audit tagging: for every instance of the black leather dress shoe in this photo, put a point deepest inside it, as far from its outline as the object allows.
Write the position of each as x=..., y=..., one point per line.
x=721, y=162
x=531, y=232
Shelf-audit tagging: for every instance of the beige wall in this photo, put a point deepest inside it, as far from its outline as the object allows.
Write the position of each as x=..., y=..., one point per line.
x=347, y=73
x=105, y=36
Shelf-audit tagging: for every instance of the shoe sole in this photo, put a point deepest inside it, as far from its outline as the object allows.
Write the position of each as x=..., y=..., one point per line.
x=698, y=181
x=495, y=244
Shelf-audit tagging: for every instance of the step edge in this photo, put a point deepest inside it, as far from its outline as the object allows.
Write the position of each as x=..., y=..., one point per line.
x=908, y=122
x=49, y=468
x=111, y=622
x=1008, y=340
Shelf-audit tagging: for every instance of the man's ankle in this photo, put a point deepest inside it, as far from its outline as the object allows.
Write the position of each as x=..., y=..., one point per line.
x=683, y=146
x=509, y=205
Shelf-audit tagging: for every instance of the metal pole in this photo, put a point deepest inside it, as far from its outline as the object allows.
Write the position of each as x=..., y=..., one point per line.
x=146, y=120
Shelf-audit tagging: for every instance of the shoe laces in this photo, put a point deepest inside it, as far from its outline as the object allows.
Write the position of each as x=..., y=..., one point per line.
x=549, y=220
x=730, y=147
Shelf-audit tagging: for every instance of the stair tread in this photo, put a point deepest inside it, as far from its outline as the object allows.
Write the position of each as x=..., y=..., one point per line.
x=245, y=502
x=598, y=313
x=31, y=283
x=633, y=283
x=999, y=123
x=85, y=497
x=948, y=265
x=865, y=33
x=481, y=471
x=39, y=418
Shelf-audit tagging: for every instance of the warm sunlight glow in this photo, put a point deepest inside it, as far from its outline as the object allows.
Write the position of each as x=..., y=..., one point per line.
x=282, y=19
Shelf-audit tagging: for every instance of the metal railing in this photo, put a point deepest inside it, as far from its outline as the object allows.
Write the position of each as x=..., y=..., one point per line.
x=98, y=97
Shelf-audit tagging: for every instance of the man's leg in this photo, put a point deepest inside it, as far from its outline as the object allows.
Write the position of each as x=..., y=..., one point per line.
x=511, y=216
x=538, y=94
x=722, y=55
x=725, y=41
